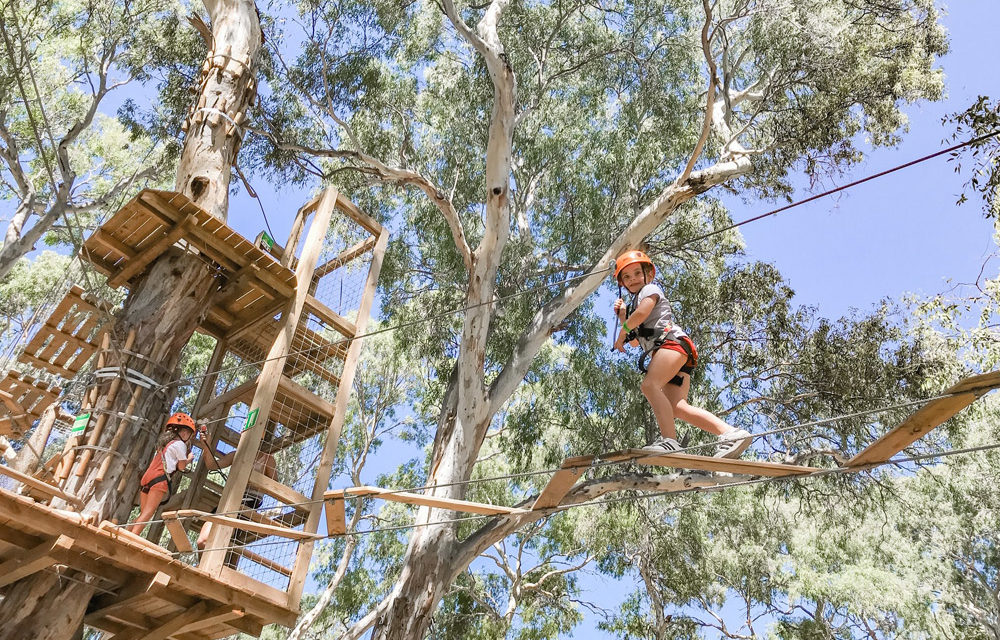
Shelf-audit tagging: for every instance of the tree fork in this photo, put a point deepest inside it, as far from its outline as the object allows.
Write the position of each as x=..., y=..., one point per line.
x=164, y=307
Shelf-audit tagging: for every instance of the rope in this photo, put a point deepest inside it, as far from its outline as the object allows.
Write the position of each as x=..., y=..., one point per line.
x=828, y=192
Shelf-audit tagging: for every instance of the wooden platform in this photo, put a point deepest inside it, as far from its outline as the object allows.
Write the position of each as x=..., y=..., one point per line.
x=142, y=592
x=69, y=338
x=152, y=222
x=22, y=401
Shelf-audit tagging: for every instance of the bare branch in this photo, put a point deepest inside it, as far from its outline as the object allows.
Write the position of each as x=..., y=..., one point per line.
x=397, y=176
x=706, y=127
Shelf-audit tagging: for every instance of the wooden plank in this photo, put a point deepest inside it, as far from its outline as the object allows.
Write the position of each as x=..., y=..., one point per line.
x=263, y=561
x=33, y=560
x=452, y=504
x=107, y=240
x=572, y=469
x=336, y=517
x=912, y=429
x=176, y=623
x=136, y=265
x=139, y=589
x=219, y=615
x=42, y=487
x=290, y=390
x=725, y=465
x=177, y=532
x=343, y=326
x=359, y=216
x=276, y=490
x=227, y=398
x=344, y=257
x=245, y=525
x=240, y=581
x=982, y=382
x=120, y=532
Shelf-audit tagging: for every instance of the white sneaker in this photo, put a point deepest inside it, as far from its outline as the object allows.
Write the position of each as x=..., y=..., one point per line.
x=733, y=444
x=663, y=445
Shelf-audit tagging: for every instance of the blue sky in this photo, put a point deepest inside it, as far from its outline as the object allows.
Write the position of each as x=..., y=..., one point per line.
x=901, y=233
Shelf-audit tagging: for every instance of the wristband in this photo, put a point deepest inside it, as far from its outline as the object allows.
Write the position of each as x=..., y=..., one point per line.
x=625, y=326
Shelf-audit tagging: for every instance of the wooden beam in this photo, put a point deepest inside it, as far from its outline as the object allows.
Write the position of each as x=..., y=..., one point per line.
x=343, y=326
x=572, y=470
x=263, y=561
x=278, y=491
x=245, y=525
x=295, y=392
x=135, y=265
x=219, y=615
x=336, y=517
x=725, y=465
x=139, y=589
x=452, y=504
x=41, y=487
x=33, y=560
x=174, y=624
x=177, y=532
x=227, y=398
x=912, y=429
x=344, y=257
x=103, y=237
x=359, y=216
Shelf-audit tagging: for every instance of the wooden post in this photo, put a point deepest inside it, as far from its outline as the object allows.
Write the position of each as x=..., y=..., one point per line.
x=301, y=568
x=69, y=450
x=95, y=433
x=213, y=560
x=204, y=394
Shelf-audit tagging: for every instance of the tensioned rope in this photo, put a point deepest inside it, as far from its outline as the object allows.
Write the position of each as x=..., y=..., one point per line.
x=598, y=463
x=596, y=270
x=644, y=496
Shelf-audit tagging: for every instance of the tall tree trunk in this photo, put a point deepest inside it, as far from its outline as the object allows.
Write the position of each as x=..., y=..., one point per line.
x=164, y=307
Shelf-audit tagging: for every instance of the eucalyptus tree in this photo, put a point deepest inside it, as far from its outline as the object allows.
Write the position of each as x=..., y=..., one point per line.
x=61, y=158
x=535, y=141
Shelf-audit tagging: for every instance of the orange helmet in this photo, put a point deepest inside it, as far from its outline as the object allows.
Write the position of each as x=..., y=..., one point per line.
x=630, y=258
x=181, y=419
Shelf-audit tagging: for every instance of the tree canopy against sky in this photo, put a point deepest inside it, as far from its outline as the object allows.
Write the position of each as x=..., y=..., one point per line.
x=517, y=144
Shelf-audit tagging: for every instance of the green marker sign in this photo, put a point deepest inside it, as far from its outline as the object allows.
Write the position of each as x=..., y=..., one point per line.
x=265, y=241
x=251, y=419
x=80, y=424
